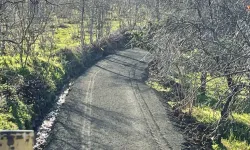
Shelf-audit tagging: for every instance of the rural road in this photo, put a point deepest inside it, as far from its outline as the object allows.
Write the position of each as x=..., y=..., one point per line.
x=110, y=107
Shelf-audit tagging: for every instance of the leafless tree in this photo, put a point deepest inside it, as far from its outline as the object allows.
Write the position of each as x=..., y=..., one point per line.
x=201, y=38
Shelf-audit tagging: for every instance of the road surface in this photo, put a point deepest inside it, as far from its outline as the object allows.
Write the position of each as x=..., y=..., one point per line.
x=110, y=107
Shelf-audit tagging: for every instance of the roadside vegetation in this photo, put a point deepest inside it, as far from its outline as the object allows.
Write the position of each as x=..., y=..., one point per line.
x=200, y=47
x=201, y=67
x=44, y=44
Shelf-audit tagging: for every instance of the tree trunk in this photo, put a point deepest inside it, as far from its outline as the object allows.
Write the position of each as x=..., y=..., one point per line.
x=157, y=10
x=234, y=90
x=101, y=21
x=225, y=109
x=136, y=13
x=98, y=33
x=91, y=26
x=82, y=24
x=1, y=41
x=203, y=83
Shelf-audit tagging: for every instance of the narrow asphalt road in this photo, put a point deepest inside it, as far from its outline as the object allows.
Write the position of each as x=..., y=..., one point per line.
x=110, y=107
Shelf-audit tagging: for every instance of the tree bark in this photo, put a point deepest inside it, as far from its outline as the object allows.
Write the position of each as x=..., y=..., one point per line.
x=82, y=24
x=91, y=26
x=203, y=83
x=157, y=11
x=225, y=109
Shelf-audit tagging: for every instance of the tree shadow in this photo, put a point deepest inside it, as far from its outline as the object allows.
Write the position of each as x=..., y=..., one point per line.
x=124, y=63
x=68, y=131
x=203, y=99
x=237, y=130
x=129, y=58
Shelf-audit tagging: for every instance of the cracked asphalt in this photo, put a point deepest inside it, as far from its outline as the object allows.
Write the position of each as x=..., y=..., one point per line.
x=110, y=107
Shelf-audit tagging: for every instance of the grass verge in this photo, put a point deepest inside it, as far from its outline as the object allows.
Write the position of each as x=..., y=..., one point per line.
x=28, y=92
x=237, y=130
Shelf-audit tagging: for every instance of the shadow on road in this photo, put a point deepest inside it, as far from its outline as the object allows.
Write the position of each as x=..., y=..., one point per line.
x=124, y=63
x=69, y=132
x=129, y=58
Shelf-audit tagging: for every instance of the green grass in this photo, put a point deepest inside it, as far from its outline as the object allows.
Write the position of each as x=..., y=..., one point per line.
x=48, y=63
x=157, y=86
x=205, y=115
x=215, y=87
x=242, y=118
x=235, y=145
x=67, y=37
x=205, y=100
x=115, y=25
x=231, y=144
x=172, y=104
x=51, y=72
x=236, y=134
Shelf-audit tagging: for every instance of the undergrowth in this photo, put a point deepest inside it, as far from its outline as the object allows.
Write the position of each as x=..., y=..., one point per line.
x=27, y=92
x=237, y=129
